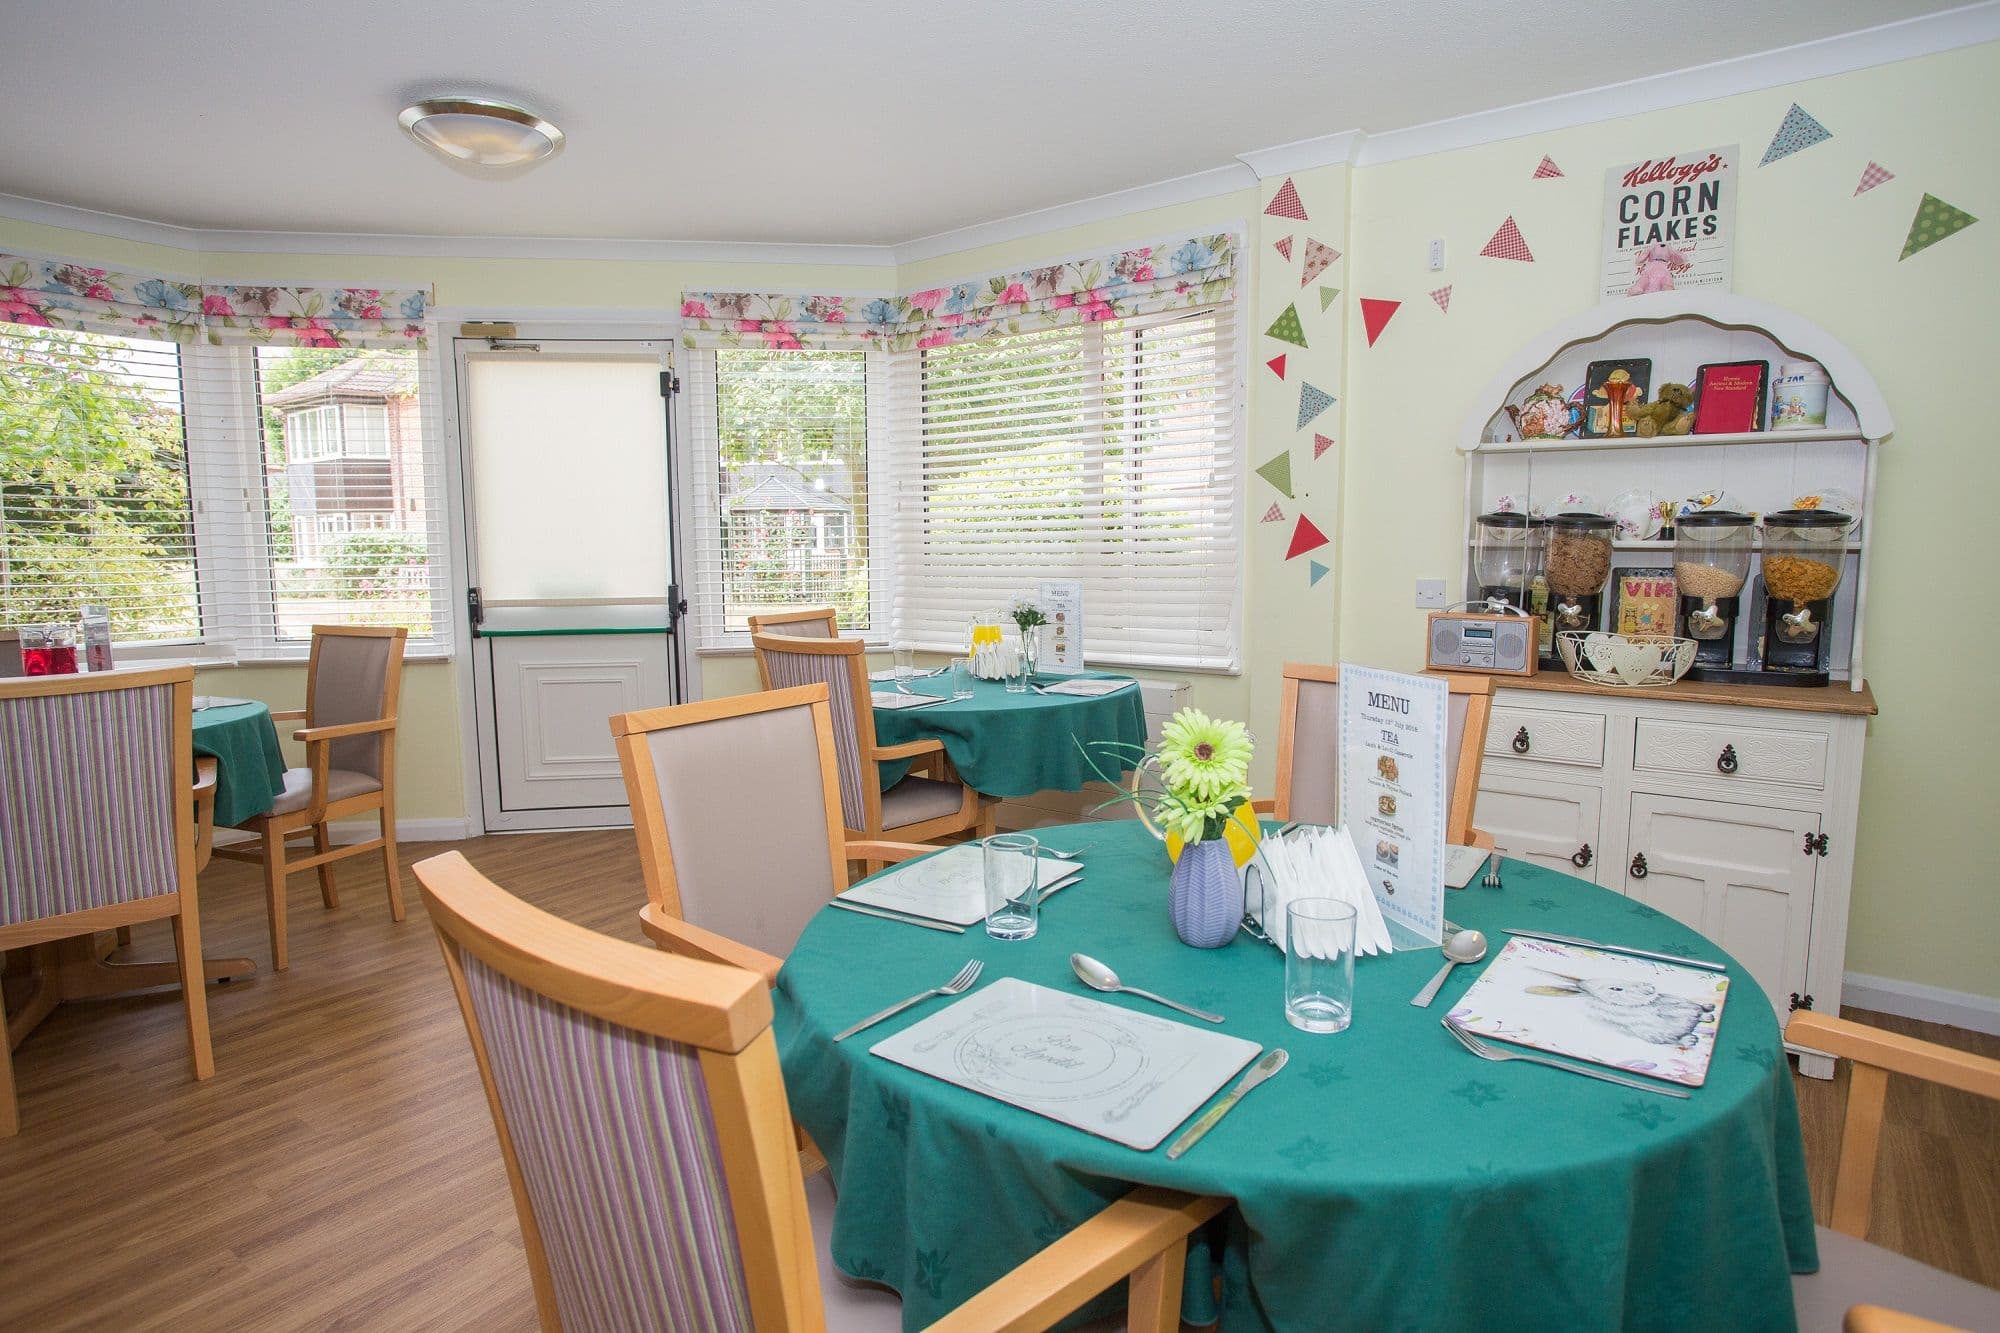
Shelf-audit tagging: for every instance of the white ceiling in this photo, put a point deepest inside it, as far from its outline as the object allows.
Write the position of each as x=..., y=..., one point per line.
x=778, y=120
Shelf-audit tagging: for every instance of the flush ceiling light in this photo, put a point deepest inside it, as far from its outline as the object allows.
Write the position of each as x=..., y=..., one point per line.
x=481, y=132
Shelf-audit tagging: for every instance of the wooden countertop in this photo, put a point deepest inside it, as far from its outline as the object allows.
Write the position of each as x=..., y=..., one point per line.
x=1834, y=698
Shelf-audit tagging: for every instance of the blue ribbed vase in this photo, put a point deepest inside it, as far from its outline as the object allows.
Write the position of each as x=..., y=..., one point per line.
x=1207, y=899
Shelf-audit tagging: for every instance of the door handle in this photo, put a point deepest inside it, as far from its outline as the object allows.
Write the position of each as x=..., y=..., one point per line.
x=1638, y=865
x=1521, y=741
x=1726, y=761
x=1581, y=857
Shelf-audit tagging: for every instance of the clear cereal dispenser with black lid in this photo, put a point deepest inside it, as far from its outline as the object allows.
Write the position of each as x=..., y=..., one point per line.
x=1579, y=563
x=1711, y=565
x=1803, y=553
x=1507, y=558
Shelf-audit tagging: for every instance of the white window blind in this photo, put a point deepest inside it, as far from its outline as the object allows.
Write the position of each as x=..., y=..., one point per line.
x=158, y=478
x=780, y=462
x=1106, y=453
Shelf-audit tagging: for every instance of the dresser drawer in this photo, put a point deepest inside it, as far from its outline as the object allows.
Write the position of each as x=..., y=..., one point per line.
x=1727, y=752
x=1556, y=738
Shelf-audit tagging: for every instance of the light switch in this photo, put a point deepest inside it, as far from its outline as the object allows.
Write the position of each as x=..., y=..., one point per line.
x=1430, y=594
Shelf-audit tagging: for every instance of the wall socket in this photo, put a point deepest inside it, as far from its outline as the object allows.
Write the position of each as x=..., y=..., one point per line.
x=1430, y=594
x=1437, y=255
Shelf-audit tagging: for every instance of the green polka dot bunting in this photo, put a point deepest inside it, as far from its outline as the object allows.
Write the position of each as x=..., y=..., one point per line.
x=1934, y=221
x=1286, y=328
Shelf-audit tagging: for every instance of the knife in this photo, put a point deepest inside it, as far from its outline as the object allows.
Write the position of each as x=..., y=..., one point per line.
x=895, y=916
x=1272, y=1062
x=1618, y=948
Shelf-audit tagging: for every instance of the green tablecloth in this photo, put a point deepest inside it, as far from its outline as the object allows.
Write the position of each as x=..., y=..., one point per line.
x=250, y=768
x=1014, y=744
x=1385, y=1179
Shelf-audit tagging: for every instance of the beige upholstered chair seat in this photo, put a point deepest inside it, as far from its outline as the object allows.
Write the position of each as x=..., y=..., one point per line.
x=913, y=800
x=341, y=783
x=1853, y=1272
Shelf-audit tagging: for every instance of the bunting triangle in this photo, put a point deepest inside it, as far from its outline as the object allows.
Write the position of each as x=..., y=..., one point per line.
x=1286, y=327
x=1796, y=132
x=1273, y=514
x=1305, y=537
x=1285, y=203
x=1934, y=221
x=1443, y=297
x=1507, y=243
x=1279, y=473
x=1321, y=443
x=1873, y=175
x=1316, y=571
x=1312, y=402
x=1327, y=296
x=1283, y=246
x=1319, y=257
x=1548, y=170
x=1277, y=363
x=1375, y=316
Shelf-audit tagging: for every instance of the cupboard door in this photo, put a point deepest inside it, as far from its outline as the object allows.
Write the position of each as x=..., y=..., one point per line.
x=1550, y=823
x=1740, y=874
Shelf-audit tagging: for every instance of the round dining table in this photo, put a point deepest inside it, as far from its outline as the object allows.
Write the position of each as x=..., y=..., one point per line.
x=1385, y=1178
x=1011, y=745
x=249, y=766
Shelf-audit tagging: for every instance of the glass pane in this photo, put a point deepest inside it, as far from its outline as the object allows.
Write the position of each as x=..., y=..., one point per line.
x=793, y=477
x=94, y=483
x=345, y=488
x=569, y=476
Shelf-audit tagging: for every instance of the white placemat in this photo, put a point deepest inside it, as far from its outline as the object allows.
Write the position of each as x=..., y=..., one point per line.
x=207, y=701
x=1088, y=689
x=1608, y=1008
x=1122, y=1075
x=950, y=886
x=895, y=701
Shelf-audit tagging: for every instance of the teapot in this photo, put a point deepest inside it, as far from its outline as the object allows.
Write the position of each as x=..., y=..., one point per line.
x=1546, y=415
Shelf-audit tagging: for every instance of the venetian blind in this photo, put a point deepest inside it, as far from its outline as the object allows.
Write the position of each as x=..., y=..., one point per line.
x=1102, y=452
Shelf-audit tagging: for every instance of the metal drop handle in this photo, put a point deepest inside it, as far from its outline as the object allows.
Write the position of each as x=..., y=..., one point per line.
x=1726, y=761
x=1581, y=857
x=1639, y=865
x=1521, y=741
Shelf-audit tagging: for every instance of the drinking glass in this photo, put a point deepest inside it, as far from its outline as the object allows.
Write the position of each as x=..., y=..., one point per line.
x=1018, y=674
x=1013, y=897
x=48, y=651
x=906, y=666
x=961, y=678
x=1319, y=964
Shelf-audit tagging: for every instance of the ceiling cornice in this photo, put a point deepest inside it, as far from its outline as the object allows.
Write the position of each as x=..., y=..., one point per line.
x=1927, y=34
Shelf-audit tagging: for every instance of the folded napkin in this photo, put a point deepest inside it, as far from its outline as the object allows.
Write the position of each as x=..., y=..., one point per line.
x=1317, y=862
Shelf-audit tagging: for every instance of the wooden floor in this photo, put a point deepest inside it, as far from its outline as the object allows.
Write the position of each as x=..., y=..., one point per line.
x=340, y=1170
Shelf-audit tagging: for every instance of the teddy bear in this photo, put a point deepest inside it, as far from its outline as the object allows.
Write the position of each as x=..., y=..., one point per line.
x=1668, y=414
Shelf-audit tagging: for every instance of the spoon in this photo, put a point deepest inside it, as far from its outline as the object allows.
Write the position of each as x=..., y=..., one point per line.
x=1099, y=977
x=1467, y=946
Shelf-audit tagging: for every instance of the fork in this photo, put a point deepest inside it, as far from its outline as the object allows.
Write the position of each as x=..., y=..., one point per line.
x=958, y=985
x=1486, y=1052
x=1492, y=880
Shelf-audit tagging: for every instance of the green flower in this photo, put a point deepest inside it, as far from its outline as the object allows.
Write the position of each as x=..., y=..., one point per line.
x=1198, y=819
x=1202, y=757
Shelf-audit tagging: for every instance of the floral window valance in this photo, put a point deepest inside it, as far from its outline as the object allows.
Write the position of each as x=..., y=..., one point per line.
x=57, y=293
x=1173, y=275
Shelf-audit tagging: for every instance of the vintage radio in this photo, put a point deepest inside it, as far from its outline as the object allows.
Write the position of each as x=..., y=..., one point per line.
x=1497, y=644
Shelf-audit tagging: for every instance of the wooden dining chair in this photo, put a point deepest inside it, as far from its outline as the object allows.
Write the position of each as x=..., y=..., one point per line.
x=353, y=681
x=97, y=824
x=643, y=1122
x=1309, y=749
x=916, y=809
x=1853, y=1274
x=805, y=622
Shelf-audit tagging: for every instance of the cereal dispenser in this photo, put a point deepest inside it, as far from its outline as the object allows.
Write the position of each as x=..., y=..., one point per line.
x=1507, y=559
x=1579, y=562
x=1803, y=551
x=1711, y=565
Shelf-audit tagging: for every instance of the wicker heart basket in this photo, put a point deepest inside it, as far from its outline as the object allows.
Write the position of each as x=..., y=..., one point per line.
x=1625, y=660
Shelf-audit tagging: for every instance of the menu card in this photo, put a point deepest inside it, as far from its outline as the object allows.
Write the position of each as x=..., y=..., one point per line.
x=950, y=886
x=1122, y=1075
x=1062, y=640
x=1393, y=801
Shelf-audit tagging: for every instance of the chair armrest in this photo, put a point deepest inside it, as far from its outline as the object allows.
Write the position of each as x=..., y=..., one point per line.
x=676, y=936
x=1896, y=1053
x=311, y=734
x=1880, y=1319
x=869, y=849
x=1264, y=807
x=288, y=715
x=1479, y=839
x=205, y=774
x=1140, y=1227
x=910, y=749
x=205, y=771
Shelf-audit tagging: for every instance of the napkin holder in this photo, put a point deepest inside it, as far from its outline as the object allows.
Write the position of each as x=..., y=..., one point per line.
x=995, y=661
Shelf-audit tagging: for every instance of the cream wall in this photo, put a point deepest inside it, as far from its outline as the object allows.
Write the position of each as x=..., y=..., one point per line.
x=1389, y=495
x=1923, y=908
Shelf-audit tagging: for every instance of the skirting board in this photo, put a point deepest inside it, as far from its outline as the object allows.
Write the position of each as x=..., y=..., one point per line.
x=1930, y=1004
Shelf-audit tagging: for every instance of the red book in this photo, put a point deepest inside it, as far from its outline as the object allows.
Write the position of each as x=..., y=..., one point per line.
x=1729, y=397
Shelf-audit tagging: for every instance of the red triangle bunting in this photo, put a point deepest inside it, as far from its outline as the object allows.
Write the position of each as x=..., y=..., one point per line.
x=1375, y=315
x=1305, y=537
x=1285, y=203
x=1548, y=170
x=1277, y=364
x=1273, y=514
x=1321, y=444
x=1507, y=244
x=1283, y=245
